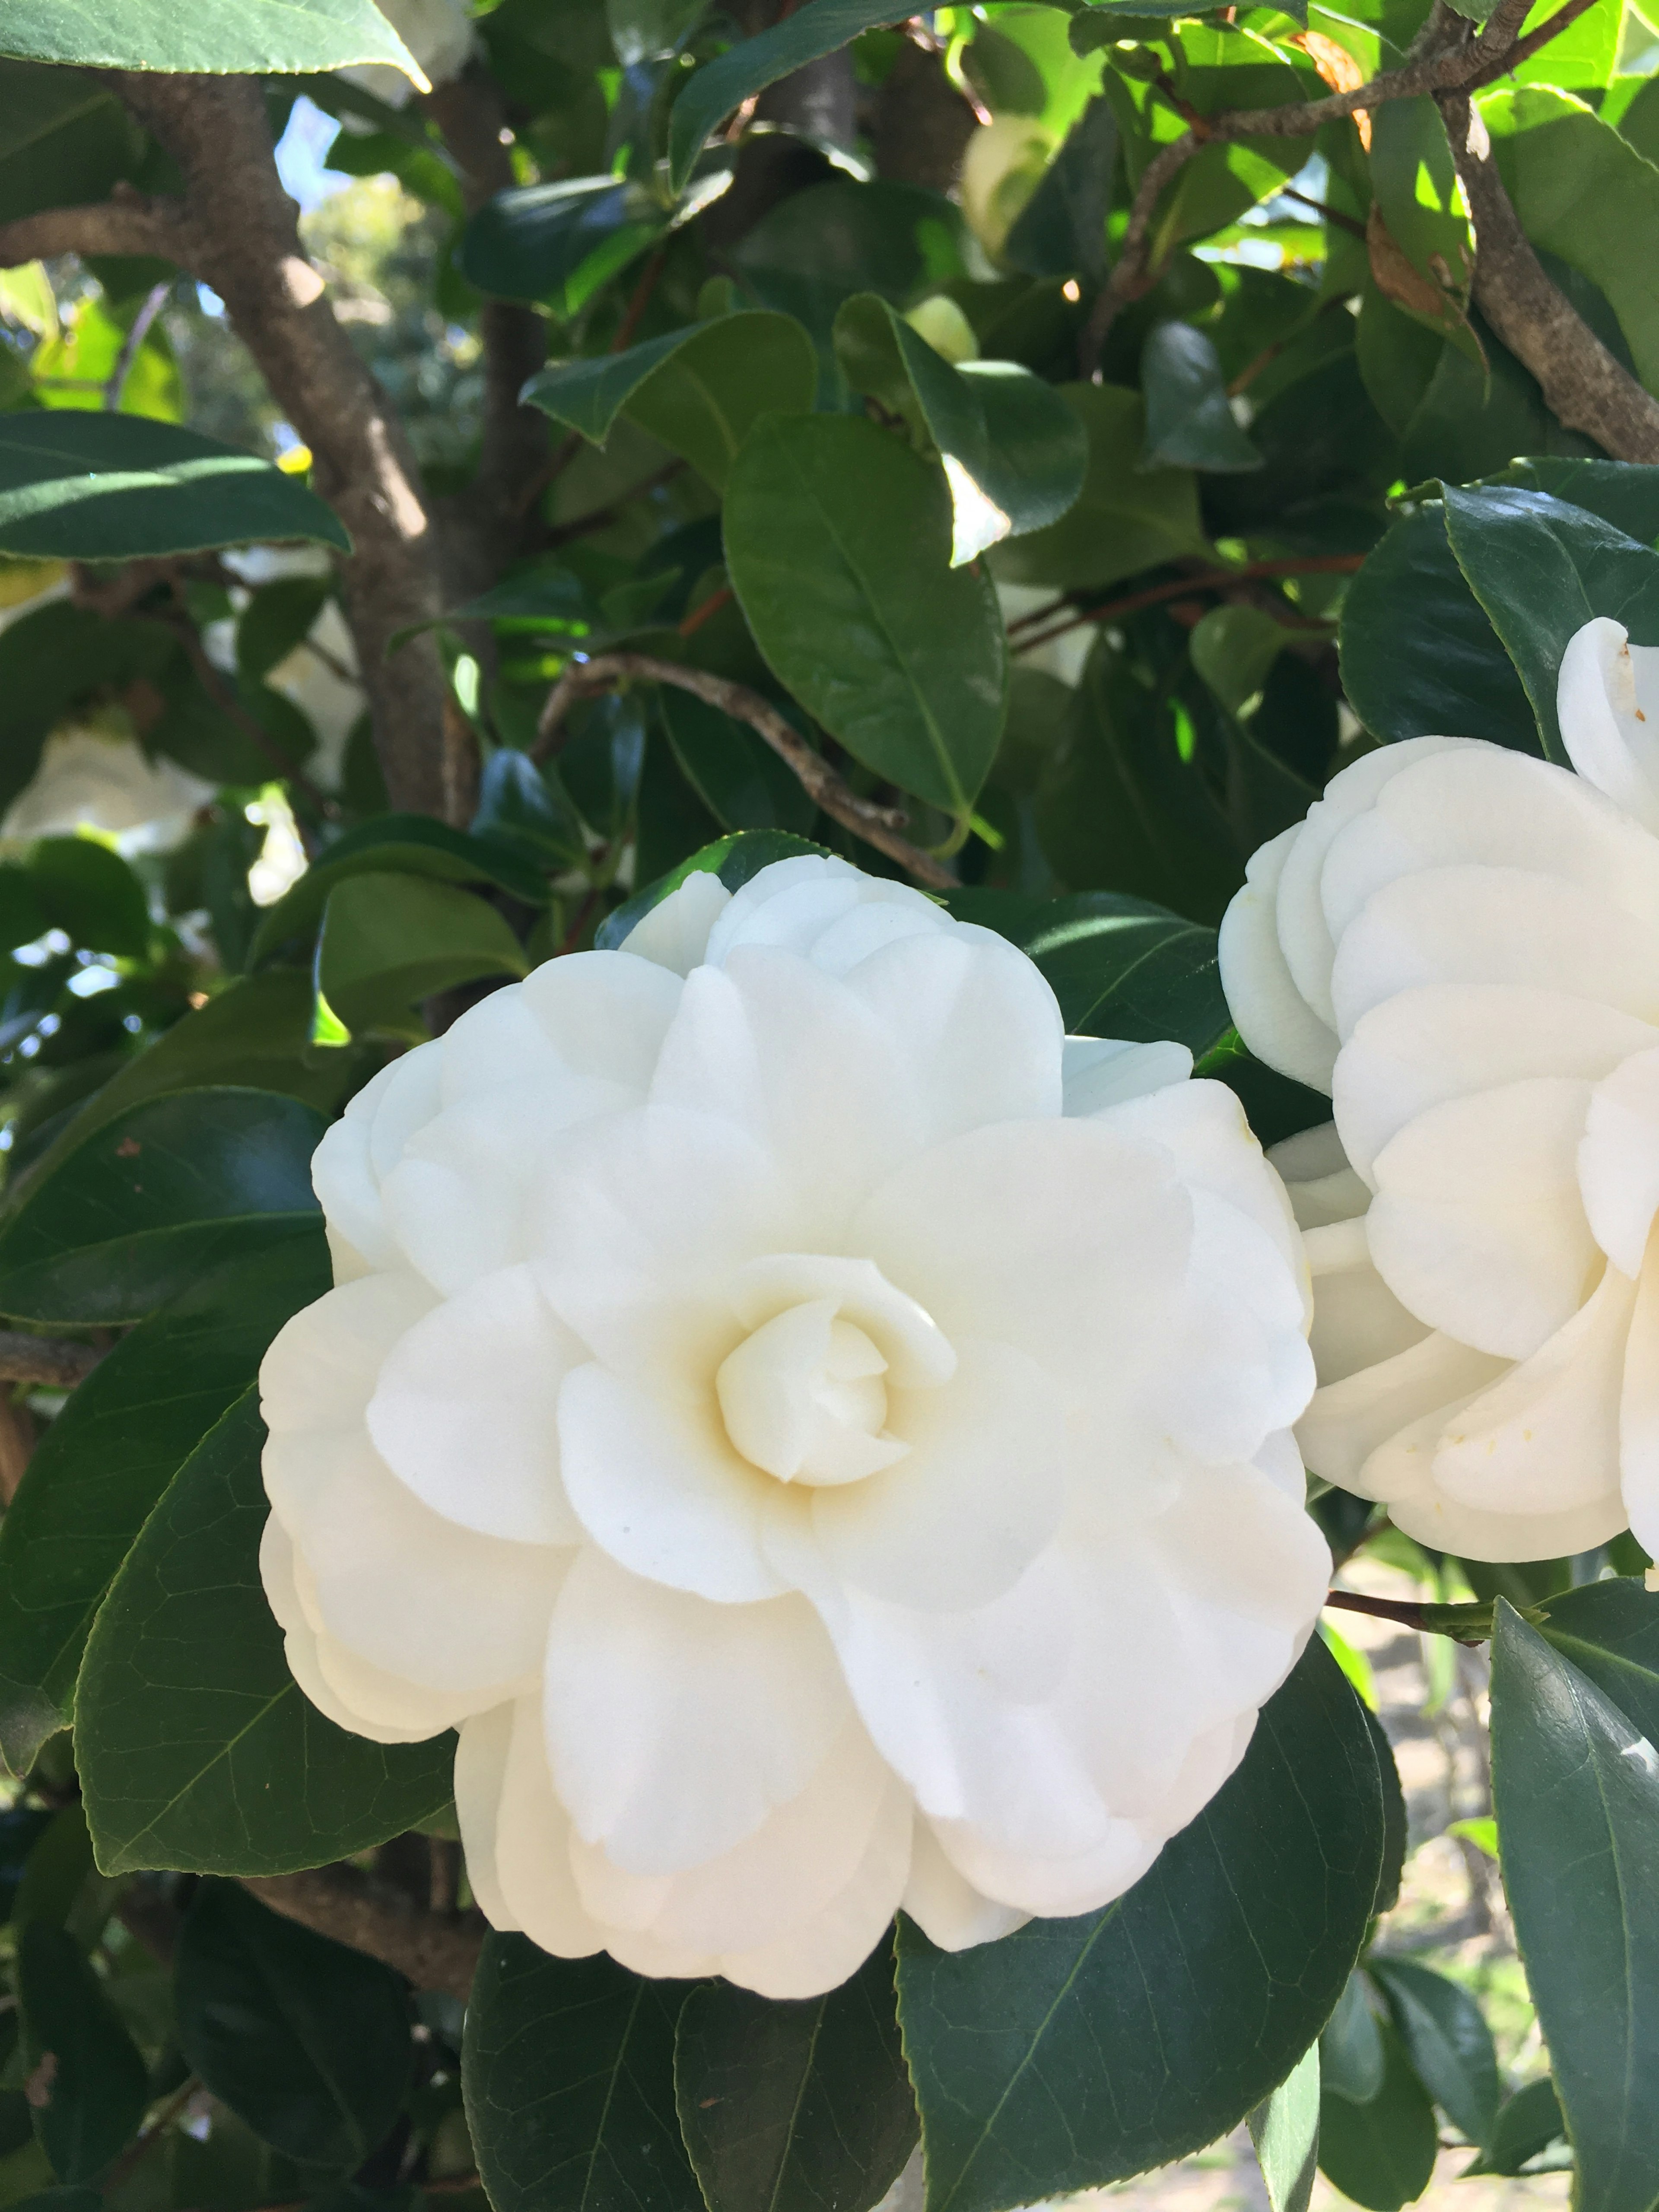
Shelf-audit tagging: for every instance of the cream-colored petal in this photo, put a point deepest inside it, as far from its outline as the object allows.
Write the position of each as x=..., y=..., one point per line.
x=1321, y=1185
x=1619, y=1160
x=1639, y=1411
x=1351, y=1418
x=480, y=1771
x=1099, y=1072
x=1608, y=704
x=533, y=1846
x=1357, y=1321
x=675, y=932
x=1273, y=1018
x=945, y=1905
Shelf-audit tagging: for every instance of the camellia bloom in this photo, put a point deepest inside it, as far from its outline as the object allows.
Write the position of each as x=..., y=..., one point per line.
x=1462, y=944
x=822, y=1436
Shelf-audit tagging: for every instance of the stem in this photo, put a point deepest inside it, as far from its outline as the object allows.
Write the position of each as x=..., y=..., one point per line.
x=1464, y=1624
x=135, y=338
x=1215, y=580
x=157, y=2128
x=878, y=825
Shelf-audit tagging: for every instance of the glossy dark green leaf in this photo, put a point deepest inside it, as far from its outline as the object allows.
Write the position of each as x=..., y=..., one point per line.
x=838, y=543
x=1121, y=967
x=93, y=2076
x=735, y=772
x=100, y=1468
x=795, y=2107
x=560, y=242
x=57, y=1870
x=1126, y=517
x=518, y=806
x=306, y=2041
x=1576, y=1790
x=700, y=389
x=401, y=844
x=1624, y=493
x=1014, y=451
x=210, y=37
x=819, y=28
x=1542, y=570
x=1284, y=2132
x=1448, y=2041
x=90, y=894
x=391, y=940
x=1350, y=2057
x=1189, y=423
x=81, y=487
x=1610, y=1632
x=195, y=1748
x=1419, y=655
x=1528, y=2124
x=568, y=2071
x=1061, y=229
x=1157, y=2024
x=1381, y=2153
x=153, y=1199
x=734, y=860
x=1394, y=1796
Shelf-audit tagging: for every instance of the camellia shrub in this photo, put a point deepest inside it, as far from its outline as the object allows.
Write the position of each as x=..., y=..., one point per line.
x=831, y=946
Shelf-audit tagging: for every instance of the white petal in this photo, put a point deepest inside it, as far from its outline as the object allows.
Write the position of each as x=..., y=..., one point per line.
x=1273, y=1018
x=480, y=1771
x=1638, y=1414
x=533, y=1841
x=1446, y=1041
x=1357, y=1321
x=825, y=909
x=465, y=1411
x=676, y=1726
x=1619, y=1160
x=1349, y=1420
x=320, y=1370
x=1608, y=702
x=657, y=1485
x=947, y=1907
x=1102, y=1071
x=675, y=932
x=1477, y=1225
x=829, y=1946
x=1321, y=1185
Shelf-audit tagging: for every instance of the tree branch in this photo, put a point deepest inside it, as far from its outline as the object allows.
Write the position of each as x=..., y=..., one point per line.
x=434, y=1951
x=1460, y=61
x=242, y=238
x=1210, y=580
x=1584, y=386
x=878, y=825
x=128, y=222
x=54, y=1361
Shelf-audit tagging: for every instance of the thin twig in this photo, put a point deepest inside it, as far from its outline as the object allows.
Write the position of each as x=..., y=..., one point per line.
x=878, y=825
x=705, y=610
x=1215, y=580
x=154, y=300
x=157, y=2128
x=1464, y=1624
x=56, y=1363
x=1350, y=223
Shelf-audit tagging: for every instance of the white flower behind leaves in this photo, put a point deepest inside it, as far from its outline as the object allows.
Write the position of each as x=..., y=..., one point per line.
x=94, y=774
x=438, y=32
x=822, y=1436
x=1462, y=944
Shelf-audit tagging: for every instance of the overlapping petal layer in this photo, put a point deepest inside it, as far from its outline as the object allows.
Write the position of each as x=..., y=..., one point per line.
x=820, y=1434
x=1461, y=944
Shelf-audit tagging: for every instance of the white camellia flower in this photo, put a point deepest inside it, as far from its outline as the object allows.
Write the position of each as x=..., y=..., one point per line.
x=1461, y=944
x=94, y=774
x=821, y=1435
x=438, y=32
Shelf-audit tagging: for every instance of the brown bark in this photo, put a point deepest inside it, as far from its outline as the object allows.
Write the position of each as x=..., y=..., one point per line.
x=58, y=1362
x=920, y=124
x=435, y=1951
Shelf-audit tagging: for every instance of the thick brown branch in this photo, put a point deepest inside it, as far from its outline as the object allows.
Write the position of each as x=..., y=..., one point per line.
x=433, y=1951
x=243, y=241
x=1454, y=58
x=878, y=825
x=1583, y=387
x=56, y=1362
x=128, y=222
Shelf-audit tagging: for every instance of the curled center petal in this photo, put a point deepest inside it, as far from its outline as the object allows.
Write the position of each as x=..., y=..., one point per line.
x=803, y=1398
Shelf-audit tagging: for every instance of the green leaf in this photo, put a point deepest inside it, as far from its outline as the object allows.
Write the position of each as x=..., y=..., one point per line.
x=821, y=27
x=1576, y=1792
x=1448, y=2043
x=152, y=1199
x=100, y=1468
x=195, y=1748
x=1121, y=967
x=1234, y=650
x=735, y=772
x=81, y=487
x=397, y=844
x=1284, y=2130
x=795, y=2107
x=305, y=2040
x=96, y=2092
x=1394, y=1797
x=559, y=243
x=210, y=38
x=1014, y=452
x=568, y=2071
x=1610, y=1632
x=1126, y=517
x=837, y=539
x=1189, y=423
x=1061, y=229
x=1542, y=569
x=518, y=806
x=1381, y=2154
x=1580, y=191
x=1419, y=655
x=734, y=860
x=390, y=939
x=1350, y=2059
x=699, y=390
x=1530, y=2123
x=57, y=1870
x=90, y=894
x=1623, y=493
x=1156, y=2025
